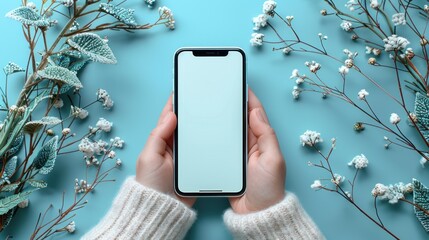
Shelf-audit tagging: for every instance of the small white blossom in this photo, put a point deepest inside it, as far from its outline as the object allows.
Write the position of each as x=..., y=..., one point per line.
x=287, y=50
x=316, y=185
x=67, y=3
x=350, y=55
x=310, y=138
x=23, y=204
x=268, y=7
x=392, y=193
x=395, y=43
x=426, y=8
x=71, y=227
x=150, y=3
x=399, y=19
x=13, y=108
x=296, y=92
x=322, y=37
x=394, y=118
x=295, y=73
x=299, y=78
x=111, y=154
x=343, y=70
x=104, y=97
x=118, y=162
x=313, y=66
x=58, y=103
x=104, y=125
x=117, y=142
x=359, y=162
x=166, y=13
x=79, y=112
x=257, y=39
x=86, y=147
x=374, y=4
x=66, y=131
x=338, y=179
x=31, y=5
x=346, y=25
x=362, y=94
x=260, y=21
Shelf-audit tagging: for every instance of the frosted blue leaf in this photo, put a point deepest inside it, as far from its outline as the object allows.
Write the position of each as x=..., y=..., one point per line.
x=11, y=68
x=10, y=187
x=421, y=198
x=28, y=16
x=12, y=201
x=10, y=167
x=421, y=109
x=45, y=159
x=93, y=46
x=16, y=144
x=122, y=14
x=62, y=75
x=37, y=183
x=34, y=126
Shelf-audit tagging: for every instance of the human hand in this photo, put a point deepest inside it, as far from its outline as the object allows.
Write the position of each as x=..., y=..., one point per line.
x=266, y=168
x=155, y=163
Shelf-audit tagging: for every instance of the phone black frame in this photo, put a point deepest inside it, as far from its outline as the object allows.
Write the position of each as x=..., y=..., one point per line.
x=213, y=52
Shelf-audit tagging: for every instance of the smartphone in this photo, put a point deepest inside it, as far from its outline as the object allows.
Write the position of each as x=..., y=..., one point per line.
x=210, y=102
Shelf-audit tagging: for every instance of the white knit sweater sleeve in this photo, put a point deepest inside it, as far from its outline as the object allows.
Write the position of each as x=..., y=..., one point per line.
x=285, y=220
x=139, y=212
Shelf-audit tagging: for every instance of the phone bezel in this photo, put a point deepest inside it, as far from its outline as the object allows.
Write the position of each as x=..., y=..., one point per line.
x=220, y=51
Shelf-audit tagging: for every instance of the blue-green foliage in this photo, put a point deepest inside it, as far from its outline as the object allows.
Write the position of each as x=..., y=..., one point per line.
x=421, y=198
x=421, y=109
x=11, y=68
x=37, y=183
x=45, y=159
x=12, y=201
x=91, y=45
x=122, y=14
x=28, y=16
x=34, y=126
x=61, y=74
x=9, y=169
x=16, y=144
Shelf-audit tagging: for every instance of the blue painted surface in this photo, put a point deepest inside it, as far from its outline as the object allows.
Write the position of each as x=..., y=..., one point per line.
x=141, y=83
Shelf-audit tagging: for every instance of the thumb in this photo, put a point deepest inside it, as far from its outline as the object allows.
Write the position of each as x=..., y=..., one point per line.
x=159, y=136
x=266, y=137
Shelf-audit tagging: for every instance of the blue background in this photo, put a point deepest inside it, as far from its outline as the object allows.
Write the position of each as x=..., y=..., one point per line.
x=142, y=80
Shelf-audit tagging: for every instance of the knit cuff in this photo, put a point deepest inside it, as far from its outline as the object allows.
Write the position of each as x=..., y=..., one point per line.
x=285, y=220
x=139, y=212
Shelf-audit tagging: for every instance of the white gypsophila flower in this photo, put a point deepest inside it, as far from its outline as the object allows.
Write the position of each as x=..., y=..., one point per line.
x=351, y=5
x=346, y=25
x=362, y=94
x=104, y=125
x=374, y=4
x=313, y=66
x=150, y=3
x=31, y=5
x=359, y=162
x=392, y=193
x=350, y=54
x=295, y=74
x=58, y=103
x=117, y=142
x=86, y=147
x=23, y=204
x=394, y=118
x=296, y=92
x=310, y=138
x=287, y=50
x=399, y=19
x=316, y=185
x=71, y=227
x=257, y=39
x=103, y=96
x=395, y=43
x=118, y=162
x=349, y=63
x=66, y=131
x=79, y=112
x=111, y=154
x=338, y=179
x=166, y=13
x=322, y=37
x=343, y=70
x=67, y=3
x=13, y=108
x=424, y=160
x=426, y=8
x=299, y=79
x=260, y=21
x=268, y=7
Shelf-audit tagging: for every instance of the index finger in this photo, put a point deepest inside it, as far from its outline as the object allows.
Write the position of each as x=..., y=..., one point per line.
x=167, y=108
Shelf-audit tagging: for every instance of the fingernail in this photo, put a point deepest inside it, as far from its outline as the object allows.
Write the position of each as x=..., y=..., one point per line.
x=260, y=116
x=166, y=118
